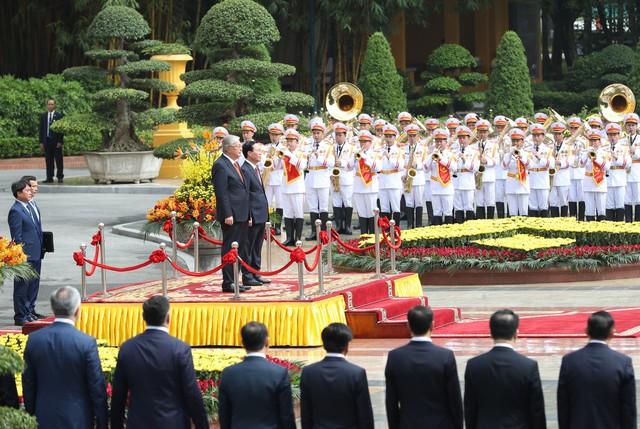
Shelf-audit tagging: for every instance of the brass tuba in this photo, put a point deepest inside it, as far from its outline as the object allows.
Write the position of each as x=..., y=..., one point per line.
x=615, y=101
x=344, y=101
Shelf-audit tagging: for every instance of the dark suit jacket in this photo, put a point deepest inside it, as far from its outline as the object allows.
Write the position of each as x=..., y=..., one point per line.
x=255, y=394
x=422, y=387
x=259, y=206
x=156, y=369
x=9, y=391
x=232, y=195
x=596, y=389
x=42, y=134
x=503, y=390
x=63, y=383
x=335, y=395
x=26, y=231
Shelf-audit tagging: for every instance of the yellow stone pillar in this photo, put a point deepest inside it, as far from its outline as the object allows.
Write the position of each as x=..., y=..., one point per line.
x=398, y=41
x=171, y=167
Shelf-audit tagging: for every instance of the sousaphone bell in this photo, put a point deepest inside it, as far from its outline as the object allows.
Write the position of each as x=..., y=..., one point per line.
x=344, y=101
x=615, y=101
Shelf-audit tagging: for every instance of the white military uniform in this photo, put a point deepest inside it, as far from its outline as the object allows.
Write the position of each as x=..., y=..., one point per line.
x=617, y=177
x=366, y=194
x=347, y=173
x=414, y=197
x=539, y=177
x=595, y=191
x=486, y=195
x=465, y=182
x=632, y=194
x=317, y=179
x=516, y=186
x=441, y=182
x=274, y=175
x=390, y=179
x=293, y=190
x=559, y=194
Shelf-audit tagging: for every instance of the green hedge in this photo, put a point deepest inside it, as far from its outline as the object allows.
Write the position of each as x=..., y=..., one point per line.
x=28, y=147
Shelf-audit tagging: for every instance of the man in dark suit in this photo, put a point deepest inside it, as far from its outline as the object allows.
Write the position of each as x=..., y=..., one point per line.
x=255, y=393
x=597, y=387
x=232, y=203
x=63, y=383
x=502, y=387
x=252, y=247
x=422, y=386
x=155, y=376
x=334, y=392
x=25, y=229
x=51, y=142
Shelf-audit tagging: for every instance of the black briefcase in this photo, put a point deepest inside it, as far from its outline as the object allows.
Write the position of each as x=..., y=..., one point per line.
x=47, y=241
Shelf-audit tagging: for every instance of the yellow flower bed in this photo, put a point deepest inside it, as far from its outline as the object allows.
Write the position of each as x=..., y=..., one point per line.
x=525, y=242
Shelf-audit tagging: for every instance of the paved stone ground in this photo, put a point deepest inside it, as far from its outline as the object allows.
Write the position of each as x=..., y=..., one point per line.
x=74, y=212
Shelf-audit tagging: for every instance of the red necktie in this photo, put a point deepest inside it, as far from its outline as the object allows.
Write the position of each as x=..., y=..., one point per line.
x=235, y=164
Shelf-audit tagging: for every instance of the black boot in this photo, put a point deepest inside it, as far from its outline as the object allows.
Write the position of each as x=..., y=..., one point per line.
x=437, y=220
x=628, y=213
x=448, y=220
x=430, y=213
x=491, y=212
x=470, y=215
x=573, y=208
x=397, y=216
x=280, y=212
x=500, y=208
x=459, y=216
x=555, y=211
x=371, y=225
x=600, y=218
x=564, y=211
x=591, y=218
x=636, y=214
x=385, y=214
x=299, y=224
x=363, y=225
x=346, y=220
x=619, y=215
x=337, y=220
x=410, y=214
x=312, y=234
x=419, y=217
x=480, y=213
x=534, y=213
x=544, y=213
x=288, y=225
x=610, y=214
x=324, y=218
x=581, y=210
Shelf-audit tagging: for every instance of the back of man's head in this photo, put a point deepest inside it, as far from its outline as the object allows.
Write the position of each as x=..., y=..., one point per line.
x=600, y=326
x=336, y=337
x=65, y=302
x=420, y=319
x=254, y=336
x=504, y=324
x=155, y=310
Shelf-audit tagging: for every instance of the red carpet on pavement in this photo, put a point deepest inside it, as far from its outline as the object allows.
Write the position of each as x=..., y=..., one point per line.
x=565, y=324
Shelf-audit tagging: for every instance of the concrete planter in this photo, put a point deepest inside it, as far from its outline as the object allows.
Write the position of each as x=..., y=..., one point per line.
x=112, y=167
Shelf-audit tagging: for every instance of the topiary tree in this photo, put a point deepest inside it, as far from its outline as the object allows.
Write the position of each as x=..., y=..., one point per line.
x=10, y=418
x=119, y=31
x=380, y=83
x=634, y=75
x=234, y=35
x=509, y=91
x=446, y=77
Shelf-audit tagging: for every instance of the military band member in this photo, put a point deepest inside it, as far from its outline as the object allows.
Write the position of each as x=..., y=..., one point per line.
x=559, y=194
x=620, y=159
x=452, y=125
x=595, y=123
x=430, y=124
x=471, y=120
x=632, y=194
x=464, y=181
x=576, y=195
x=248, y=131
x=500, y=123
x=404, y=119
x=414, y=153
x=489, y=158
x=272, y=176
x=343, y=198
x=365, y=122
x=440, y=166
x=594, y=184
x=294, y=161
x=540, y=118
x=516, y=161
x=320, y=161
x=541, y=161
x=291, y=122
x=390, y=178
x=218, y=134
x=365, y=185
x=378, y=138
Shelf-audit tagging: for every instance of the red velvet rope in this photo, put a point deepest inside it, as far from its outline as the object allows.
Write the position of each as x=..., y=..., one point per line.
x=315, y=263
x=95, y=240
x=80, y=260
x=349, y=248
x=120, y=270
x=196, y=274
x=398, y=239
x=203, y=234
x=324, y=237
x=231, y=257
x=168, y=228
x=383, y=223
x=265, y=273
x=282, y=246
x=297, y=255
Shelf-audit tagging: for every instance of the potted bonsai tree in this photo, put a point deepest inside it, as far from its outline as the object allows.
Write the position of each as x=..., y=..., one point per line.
x=119, y=32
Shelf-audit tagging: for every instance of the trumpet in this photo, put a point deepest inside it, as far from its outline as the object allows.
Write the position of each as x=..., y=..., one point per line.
x=357, y=155
x=592, y=153
x=516, y=152
x=436, y=156
x=280, y=153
